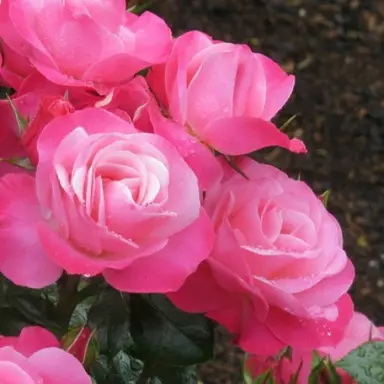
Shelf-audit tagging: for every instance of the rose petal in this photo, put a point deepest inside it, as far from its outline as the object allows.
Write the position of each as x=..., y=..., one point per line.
x=23, y=259
x=167, y=270
x=59, y=367
x=241, y=135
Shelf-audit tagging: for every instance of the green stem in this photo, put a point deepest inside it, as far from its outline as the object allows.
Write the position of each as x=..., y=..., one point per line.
x=67, y=299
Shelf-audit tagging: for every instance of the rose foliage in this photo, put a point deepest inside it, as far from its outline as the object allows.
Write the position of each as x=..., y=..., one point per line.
x=134, y=219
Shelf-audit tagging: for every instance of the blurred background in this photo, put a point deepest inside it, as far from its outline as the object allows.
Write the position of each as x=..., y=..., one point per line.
x=336, y=50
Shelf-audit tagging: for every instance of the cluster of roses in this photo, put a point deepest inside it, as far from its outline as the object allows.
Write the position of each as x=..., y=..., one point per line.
x=115, y=149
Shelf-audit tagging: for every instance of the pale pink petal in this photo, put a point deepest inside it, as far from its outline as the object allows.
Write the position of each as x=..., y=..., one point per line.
x=68, y=257
x=110, y=69
x=241, y=135
x=118, y=252
x=251, y=86
x=182, y=182
x=22, y=258
x=13, y=374
x=153, y=38
x=211, y=91
x=59, y=367
x=107, y=12
x=279, y=86
x=15, y=367
x=313, y=332
x=92, y=120
x=74, y=43
x=360, y=330
x=202, y=161
x=167, y=270
x=329, y=289
x=184, y=49
x=231, y=257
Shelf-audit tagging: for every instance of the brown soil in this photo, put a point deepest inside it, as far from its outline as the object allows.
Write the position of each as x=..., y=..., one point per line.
x=336, y=50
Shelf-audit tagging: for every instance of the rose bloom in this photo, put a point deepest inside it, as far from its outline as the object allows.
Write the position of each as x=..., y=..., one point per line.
x=34, y=357
x=14, y=67
x=84, y=42
x=222, y=94
x=359, y=331
x=38, y=101
x=106, y=199
x=277, y=274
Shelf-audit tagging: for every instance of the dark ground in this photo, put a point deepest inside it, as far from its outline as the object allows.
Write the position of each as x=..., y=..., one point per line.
x=336, y=50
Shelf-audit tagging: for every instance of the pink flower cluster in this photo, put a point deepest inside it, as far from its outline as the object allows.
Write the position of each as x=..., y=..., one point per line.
x=35, y=357
x=125, y=130
x=360, y=330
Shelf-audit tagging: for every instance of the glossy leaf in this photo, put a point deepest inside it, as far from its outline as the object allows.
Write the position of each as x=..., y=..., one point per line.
x=365, y=363
x=109, y=316
x=164, y=333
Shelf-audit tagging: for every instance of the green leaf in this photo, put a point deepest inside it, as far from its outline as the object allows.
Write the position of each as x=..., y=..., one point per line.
x=4, y=92
x=288, y=123
x=109, y=316
x=100, y=370
x=365, y=363
x=316, y=359
x=234, y=166
x=11, y=322
x=32, y=306
x=317, y=373
x=164, y=333
x=324, y=371
x=143, y=72
x=80, y=314
x=294, y=379
x=140, y=8
x=265, y=378
x=334, y=377
x=122, y=365
x=121, y=369
x=21, y=121
x=325, y=197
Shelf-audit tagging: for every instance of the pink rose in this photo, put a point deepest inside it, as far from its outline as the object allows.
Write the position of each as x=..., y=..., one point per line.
x=131, y=102
x=106, y=200
x=15, y=67
x=220, y=95
x=34, y=357
x=49, y=108
x=224, y=94
x=83, y=42
x=37, y=101
x=278, y=274
x=359, y=331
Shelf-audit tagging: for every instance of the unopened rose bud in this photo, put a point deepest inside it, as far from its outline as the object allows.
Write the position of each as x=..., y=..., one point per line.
x=81, y=343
